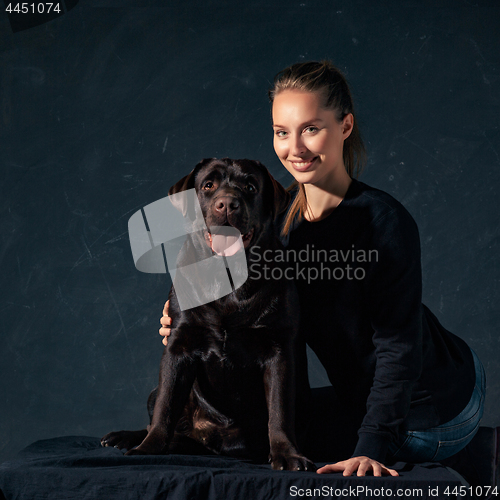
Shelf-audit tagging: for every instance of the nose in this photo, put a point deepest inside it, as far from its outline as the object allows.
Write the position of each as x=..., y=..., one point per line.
x=227, y=204
x=297, y=146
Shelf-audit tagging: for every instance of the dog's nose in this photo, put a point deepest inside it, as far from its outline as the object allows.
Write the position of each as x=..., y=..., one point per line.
x=227, y=204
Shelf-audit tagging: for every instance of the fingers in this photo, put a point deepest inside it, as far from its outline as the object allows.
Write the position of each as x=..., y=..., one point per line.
x=377, y=470
x=164, y=329
x=165, y=332
x=363, y=468
x=350, y=468
x=360, y=465
x=392, y=472
x=165, y=322
x=328, y=469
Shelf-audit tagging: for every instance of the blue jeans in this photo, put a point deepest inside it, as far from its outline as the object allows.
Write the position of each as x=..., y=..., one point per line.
x=438, y=443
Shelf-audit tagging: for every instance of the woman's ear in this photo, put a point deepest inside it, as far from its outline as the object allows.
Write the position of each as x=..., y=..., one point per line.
x=347, y=125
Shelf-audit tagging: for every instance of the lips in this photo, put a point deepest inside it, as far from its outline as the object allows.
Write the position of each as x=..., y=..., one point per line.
x=247, y=238
x=303, y=165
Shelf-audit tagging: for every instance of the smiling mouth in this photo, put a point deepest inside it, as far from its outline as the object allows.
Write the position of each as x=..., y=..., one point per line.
x=227, y=242
x=302, y=166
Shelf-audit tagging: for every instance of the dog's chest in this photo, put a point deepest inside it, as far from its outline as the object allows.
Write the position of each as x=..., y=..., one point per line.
x=232, y=369
x=239, y=348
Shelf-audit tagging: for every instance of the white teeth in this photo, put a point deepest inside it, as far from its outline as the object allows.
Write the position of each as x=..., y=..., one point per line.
x=301, y=163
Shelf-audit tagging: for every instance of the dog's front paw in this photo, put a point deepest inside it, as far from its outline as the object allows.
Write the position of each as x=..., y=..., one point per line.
x=291, y=462
x=146, y=450
x=124, y=439
x=154, y=444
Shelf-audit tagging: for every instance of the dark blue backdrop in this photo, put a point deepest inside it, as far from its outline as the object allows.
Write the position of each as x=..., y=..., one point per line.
x=105, y=107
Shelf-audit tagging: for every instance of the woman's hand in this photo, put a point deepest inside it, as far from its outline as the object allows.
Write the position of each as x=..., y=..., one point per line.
x=165, y=321
x=360, y=464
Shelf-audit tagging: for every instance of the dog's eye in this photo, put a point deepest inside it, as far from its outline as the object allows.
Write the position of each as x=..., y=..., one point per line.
x=208, y=185
x=250, y=188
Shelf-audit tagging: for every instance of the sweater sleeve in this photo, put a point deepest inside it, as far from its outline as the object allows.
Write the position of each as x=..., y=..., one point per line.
x=394, y=297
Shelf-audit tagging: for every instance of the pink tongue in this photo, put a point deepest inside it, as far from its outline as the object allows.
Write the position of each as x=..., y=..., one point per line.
x=226, y=245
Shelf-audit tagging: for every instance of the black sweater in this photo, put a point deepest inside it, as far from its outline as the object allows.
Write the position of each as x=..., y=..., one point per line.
x=387, y=356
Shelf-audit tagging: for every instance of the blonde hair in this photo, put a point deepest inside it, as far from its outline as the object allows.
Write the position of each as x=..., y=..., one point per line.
x=330, y=84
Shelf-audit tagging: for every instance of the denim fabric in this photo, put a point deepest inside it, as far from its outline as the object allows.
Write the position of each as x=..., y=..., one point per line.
x=438, y=443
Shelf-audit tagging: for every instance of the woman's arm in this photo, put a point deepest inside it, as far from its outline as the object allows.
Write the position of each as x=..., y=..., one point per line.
x=392, y=286
x=394, y=296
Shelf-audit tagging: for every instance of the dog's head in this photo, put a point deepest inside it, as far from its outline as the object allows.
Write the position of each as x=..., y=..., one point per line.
x=238, y=193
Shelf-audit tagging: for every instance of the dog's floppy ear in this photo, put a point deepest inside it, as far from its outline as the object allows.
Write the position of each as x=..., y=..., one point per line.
x=187, y=182
x=281, y=197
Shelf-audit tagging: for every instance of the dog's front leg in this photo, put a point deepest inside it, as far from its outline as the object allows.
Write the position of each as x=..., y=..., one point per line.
x=280, y=395
x=177, y=375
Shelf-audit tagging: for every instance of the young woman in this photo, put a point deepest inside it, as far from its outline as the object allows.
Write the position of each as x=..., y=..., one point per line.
x=412, y=390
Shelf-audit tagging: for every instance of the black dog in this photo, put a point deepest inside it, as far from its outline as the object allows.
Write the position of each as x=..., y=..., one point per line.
x=227, y=374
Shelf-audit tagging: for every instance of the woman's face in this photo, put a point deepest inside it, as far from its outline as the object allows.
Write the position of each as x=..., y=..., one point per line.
x=308, y=138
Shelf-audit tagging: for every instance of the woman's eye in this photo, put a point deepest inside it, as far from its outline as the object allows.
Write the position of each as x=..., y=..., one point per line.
x=281, y=133
x=251, y=188
x=311, y=129
x=208, y=185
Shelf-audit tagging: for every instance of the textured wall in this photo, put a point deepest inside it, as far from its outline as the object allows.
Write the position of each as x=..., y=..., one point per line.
x=108, y=105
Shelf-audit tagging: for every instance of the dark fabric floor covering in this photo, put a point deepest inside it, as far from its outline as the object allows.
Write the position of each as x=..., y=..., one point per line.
x=77, y=467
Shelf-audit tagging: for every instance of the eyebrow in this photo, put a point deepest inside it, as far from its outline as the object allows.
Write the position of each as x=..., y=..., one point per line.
x=308, y=122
